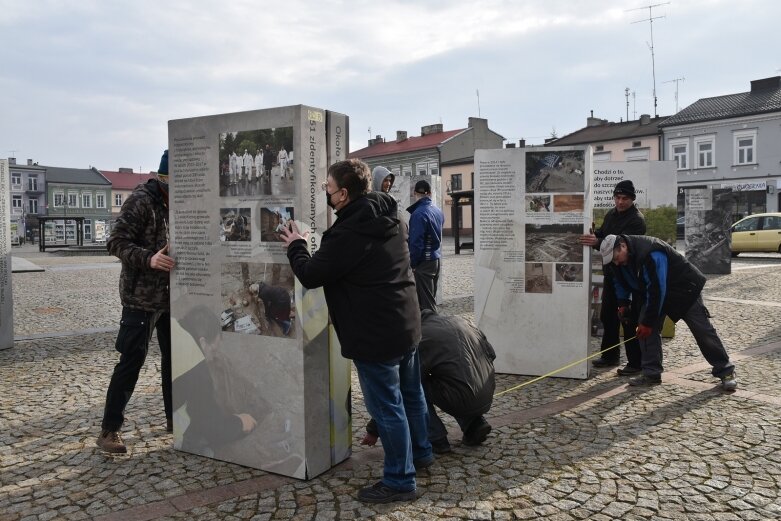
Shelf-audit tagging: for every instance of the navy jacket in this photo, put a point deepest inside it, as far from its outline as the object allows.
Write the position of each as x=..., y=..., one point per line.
x=363, y=266
x=667, y=282
x=425, y=231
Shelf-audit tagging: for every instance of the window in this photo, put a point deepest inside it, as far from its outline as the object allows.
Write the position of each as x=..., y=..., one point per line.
x=747, y=225
x=117, y=199
x=772, y=222
x=16, y=181
x=455, y=182
x=59, y=199
x=636, y=144
x=73, y=200
x=602, y=156
x=86, y=200
x=87, y=230
x=704, y=149
x=600, y=148
x=100, y=200
x=16, y=202
x=32, y=206
x=745, y=147
x=679, y=152
x=32, y=183
x=640, y=154
x=434, y=170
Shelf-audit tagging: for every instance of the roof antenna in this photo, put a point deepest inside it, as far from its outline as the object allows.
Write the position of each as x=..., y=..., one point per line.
x=676, y=80
x=477, y=91
x=650, y=20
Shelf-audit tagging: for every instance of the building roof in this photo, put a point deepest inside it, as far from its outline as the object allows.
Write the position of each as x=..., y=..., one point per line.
x=80, y=176
x=609, y=131
x=410, y=144
x=125, y=180
x=757, y=101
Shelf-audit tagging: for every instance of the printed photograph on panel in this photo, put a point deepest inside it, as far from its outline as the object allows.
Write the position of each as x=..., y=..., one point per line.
x=272, y=221
x=555, y=171
x=235, y=224
x=569, y=272
x=215, y=407
x=708, y=233
x=568, y=203
x=553, y=243
x=539, y=277
x=256, y=162
x=537, y=203
x=257, y=299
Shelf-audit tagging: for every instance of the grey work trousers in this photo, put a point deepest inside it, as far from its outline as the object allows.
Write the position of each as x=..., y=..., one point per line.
x=426, y=278
x=698, y=321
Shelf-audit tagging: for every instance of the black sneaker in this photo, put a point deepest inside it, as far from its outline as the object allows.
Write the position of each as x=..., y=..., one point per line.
x=628, y=370
x=441, y=446
x=645, y=380
x=382, y=493
x=424, y=463
x=476, y=433
x=601, y=362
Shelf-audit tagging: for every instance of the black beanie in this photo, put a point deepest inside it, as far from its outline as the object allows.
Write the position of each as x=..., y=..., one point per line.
x=625, y=188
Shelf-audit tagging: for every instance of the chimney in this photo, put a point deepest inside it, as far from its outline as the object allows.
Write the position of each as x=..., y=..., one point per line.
x=431, y=129
x=521, y=143
x=123, y=170
x=645, y=119
x=29, y=162
x=11, y=160
x=401, y=135
x=478, y=122
x=376, y=141
x=766, y=84
x=591, y=121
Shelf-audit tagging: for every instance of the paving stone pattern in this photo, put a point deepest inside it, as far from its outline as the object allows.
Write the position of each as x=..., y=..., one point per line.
x=560, y=450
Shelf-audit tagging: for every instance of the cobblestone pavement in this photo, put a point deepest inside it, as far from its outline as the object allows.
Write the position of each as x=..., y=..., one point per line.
x=560, y=450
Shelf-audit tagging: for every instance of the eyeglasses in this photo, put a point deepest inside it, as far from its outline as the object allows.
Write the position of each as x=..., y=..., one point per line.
x=324, y=187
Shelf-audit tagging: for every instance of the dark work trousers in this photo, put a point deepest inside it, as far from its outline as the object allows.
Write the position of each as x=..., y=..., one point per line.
x=135, y=332
x=609, y=317
x=698, y=320
x=426, y=278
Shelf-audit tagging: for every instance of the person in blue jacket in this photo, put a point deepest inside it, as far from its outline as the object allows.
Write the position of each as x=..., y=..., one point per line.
x=425, y=244
x=668, y=285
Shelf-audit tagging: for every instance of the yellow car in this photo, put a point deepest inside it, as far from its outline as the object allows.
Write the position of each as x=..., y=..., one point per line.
x=758, y=232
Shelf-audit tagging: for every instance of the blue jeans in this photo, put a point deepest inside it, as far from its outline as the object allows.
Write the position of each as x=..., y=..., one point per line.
x=393, y=396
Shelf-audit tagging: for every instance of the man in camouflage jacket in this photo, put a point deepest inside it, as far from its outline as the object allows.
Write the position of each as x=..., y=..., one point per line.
x=140, y=239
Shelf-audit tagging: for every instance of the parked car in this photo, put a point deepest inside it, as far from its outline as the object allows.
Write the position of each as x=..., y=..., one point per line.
x=758, y=232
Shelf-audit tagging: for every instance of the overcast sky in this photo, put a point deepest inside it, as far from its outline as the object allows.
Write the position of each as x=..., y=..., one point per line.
x=93, y=82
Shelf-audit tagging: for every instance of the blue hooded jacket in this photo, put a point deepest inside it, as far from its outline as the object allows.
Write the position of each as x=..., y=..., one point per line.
x=425, y=231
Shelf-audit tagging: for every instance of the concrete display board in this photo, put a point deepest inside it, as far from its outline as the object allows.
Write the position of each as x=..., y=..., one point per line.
x=256, y=379
x=709, y=213
x=6, y=288
x=655, y=186
x=531, y=277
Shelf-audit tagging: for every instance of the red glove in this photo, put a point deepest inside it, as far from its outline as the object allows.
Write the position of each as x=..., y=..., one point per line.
x=644, y=331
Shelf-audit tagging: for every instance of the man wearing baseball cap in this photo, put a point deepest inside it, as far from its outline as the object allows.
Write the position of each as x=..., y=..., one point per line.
x=663, y=283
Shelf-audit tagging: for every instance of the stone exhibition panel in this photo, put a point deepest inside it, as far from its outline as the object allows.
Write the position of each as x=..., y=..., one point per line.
x=6, y=288
x=256, y=379
x=531, y=277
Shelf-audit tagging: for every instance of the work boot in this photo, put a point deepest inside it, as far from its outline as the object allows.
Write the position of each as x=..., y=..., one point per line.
x=603, y=362
x=111, y=442
x=441, y=446
x=476, y=433
x=628, y=370
x=729, y=383
x=423, y=463
x=645, y=380
x=382, y=493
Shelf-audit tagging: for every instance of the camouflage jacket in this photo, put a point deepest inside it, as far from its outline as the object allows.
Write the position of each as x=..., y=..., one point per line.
x=139, y=232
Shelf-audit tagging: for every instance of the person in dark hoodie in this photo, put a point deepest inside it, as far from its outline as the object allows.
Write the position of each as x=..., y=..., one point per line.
x=382, y=179
x=664, y=283
x=140, y=239
x=457, y=369
x=363, y=266
x=625, y=219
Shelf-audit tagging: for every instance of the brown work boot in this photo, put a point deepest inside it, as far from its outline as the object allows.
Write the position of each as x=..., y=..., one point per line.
x=111, y=442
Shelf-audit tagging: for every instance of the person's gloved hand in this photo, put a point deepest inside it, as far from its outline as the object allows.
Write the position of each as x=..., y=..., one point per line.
x=644, y=331
x=623, y=314
x=369, y=439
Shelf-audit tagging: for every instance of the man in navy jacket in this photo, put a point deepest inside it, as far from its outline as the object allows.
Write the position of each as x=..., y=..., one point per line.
x=666, y=285
x=425, y=244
